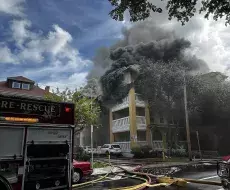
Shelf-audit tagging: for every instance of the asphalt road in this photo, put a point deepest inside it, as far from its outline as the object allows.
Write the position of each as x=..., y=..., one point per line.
x=210, y=175
x=199, y=175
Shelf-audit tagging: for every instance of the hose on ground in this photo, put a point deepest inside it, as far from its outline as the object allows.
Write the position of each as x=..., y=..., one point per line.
x=93, y=181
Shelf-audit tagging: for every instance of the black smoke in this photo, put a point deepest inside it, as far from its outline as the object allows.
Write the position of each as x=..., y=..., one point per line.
x=145, y=40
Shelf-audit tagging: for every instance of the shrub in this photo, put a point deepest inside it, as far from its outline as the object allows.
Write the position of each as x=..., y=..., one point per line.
x=141, y=151
x=136, y=151
x=80, y=155
x=156, y=153
x=179, y=153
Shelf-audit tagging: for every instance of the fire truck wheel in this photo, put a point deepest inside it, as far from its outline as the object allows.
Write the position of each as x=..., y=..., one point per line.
x=77, y=175
x=4, y=184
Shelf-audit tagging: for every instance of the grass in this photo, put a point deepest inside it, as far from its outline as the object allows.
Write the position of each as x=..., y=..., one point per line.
x=100, y=164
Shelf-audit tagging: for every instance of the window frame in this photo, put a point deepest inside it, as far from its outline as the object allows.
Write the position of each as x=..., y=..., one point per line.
x=162, y=119
x=26, y=84
x=15, y=82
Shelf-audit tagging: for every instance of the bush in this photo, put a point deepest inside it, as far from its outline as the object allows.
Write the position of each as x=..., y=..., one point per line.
x=141, y=151
x=156, y=154
x=146, y=150
x=136, y=151
x=178, y=153
x=80, y=155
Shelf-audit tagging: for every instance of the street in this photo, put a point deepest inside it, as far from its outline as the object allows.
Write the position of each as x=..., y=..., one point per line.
x=206, y=175
x=210, y=175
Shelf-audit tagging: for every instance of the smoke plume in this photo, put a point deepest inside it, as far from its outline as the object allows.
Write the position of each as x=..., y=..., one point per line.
x=146, y=39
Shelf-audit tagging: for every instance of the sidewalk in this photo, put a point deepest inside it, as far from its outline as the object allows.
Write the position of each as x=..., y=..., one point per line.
x=159, y=167
x=111, y=169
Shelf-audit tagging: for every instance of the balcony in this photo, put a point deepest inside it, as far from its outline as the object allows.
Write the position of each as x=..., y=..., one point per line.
x=125, y=146
x=125, y=103
x=122, y=124
x=141, y=123
x=122, y=105
x=139, y=101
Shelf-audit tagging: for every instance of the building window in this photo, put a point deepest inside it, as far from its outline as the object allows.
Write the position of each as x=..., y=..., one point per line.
x=152, y=119
x=16, y=85
x=25, y=86
x=141, y=136
x=161, y=119
x=171, y=121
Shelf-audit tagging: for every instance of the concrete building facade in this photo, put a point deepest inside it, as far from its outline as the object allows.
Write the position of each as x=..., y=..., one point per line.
x=131, y=124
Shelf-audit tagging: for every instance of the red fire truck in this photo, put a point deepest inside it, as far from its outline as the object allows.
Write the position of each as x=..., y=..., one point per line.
x=36, y=144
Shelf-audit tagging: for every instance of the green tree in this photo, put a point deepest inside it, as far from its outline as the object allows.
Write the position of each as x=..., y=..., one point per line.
x=182, y=10
x=87, y=109
x=161, y=84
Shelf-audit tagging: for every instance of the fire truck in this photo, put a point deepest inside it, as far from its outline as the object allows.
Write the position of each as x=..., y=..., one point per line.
x=36, y=144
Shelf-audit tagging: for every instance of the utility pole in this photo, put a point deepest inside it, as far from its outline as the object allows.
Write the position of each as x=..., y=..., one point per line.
x=187, y=121
x=198, y=141
x=91, y=132
x=92, y=146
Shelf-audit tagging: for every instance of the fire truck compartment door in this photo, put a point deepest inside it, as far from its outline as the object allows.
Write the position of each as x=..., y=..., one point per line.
x=11, y=142
x=41, y=135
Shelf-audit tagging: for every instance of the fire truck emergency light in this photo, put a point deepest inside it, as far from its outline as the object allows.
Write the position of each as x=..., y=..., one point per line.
x=19, y=119
x=67, y=109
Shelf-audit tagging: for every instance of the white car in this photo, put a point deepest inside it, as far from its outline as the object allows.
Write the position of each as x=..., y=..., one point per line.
x=112, y=149
x=88, y=149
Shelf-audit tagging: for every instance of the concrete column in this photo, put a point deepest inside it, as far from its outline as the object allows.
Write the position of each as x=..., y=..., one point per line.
x=111, y=135
x=148, y=130
x=132, y=117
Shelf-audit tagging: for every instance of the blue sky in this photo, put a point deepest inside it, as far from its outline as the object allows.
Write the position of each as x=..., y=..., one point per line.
x=52, y=42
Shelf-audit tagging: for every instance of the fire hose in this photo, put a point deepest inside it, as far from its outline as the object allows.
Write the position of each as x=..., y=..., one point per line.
x=146, y=178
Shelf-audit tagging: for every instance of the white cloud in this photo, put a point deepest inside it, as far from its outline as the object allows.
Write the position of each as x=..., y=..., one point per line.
x=72, y=82
x=56, y=56
x=12, y=7
x=20, y=31
x=210, y=39
x=32, y=46
x=6, y=55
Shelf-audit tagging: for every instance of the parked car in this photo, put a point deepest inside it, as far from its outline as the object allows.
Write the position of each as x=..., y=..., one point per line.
x=112, y=149
x=88, y=149
x=81, y=170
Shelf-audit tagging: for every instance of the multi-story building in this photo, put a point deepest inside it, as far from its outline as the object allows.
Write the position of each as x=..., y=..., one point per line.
x=21, y=86
x=131, y=124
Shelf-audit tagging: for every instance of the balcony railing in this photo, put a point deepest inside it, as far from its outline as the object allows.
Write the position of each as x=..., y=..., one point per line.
x=120, y=125
x=125, y=146
x=157, y=145
x=125, y=103
x=122, y=105
x=141, y=123
x=139, y=101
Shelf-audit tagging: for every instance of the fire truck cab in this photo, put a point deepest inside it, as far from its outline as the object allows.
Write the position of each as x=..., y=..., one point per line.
x=36, y=144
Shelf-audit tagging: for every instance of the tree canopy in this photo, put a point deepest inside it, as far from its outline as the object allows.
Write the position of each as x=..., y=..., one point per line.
x=87, y=110
x=182, y=10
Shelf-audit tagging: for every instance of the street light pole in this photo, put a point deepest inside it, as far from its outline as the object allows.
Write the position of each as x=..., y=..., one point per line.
x=92, y=146
x=198, y=142
x=91, y=129
x=187, y=121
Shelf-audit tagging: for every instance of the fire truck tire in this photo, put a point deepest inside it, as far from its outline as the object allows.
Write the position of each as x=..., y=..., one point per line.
x=77, y=176
x=4, y=184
